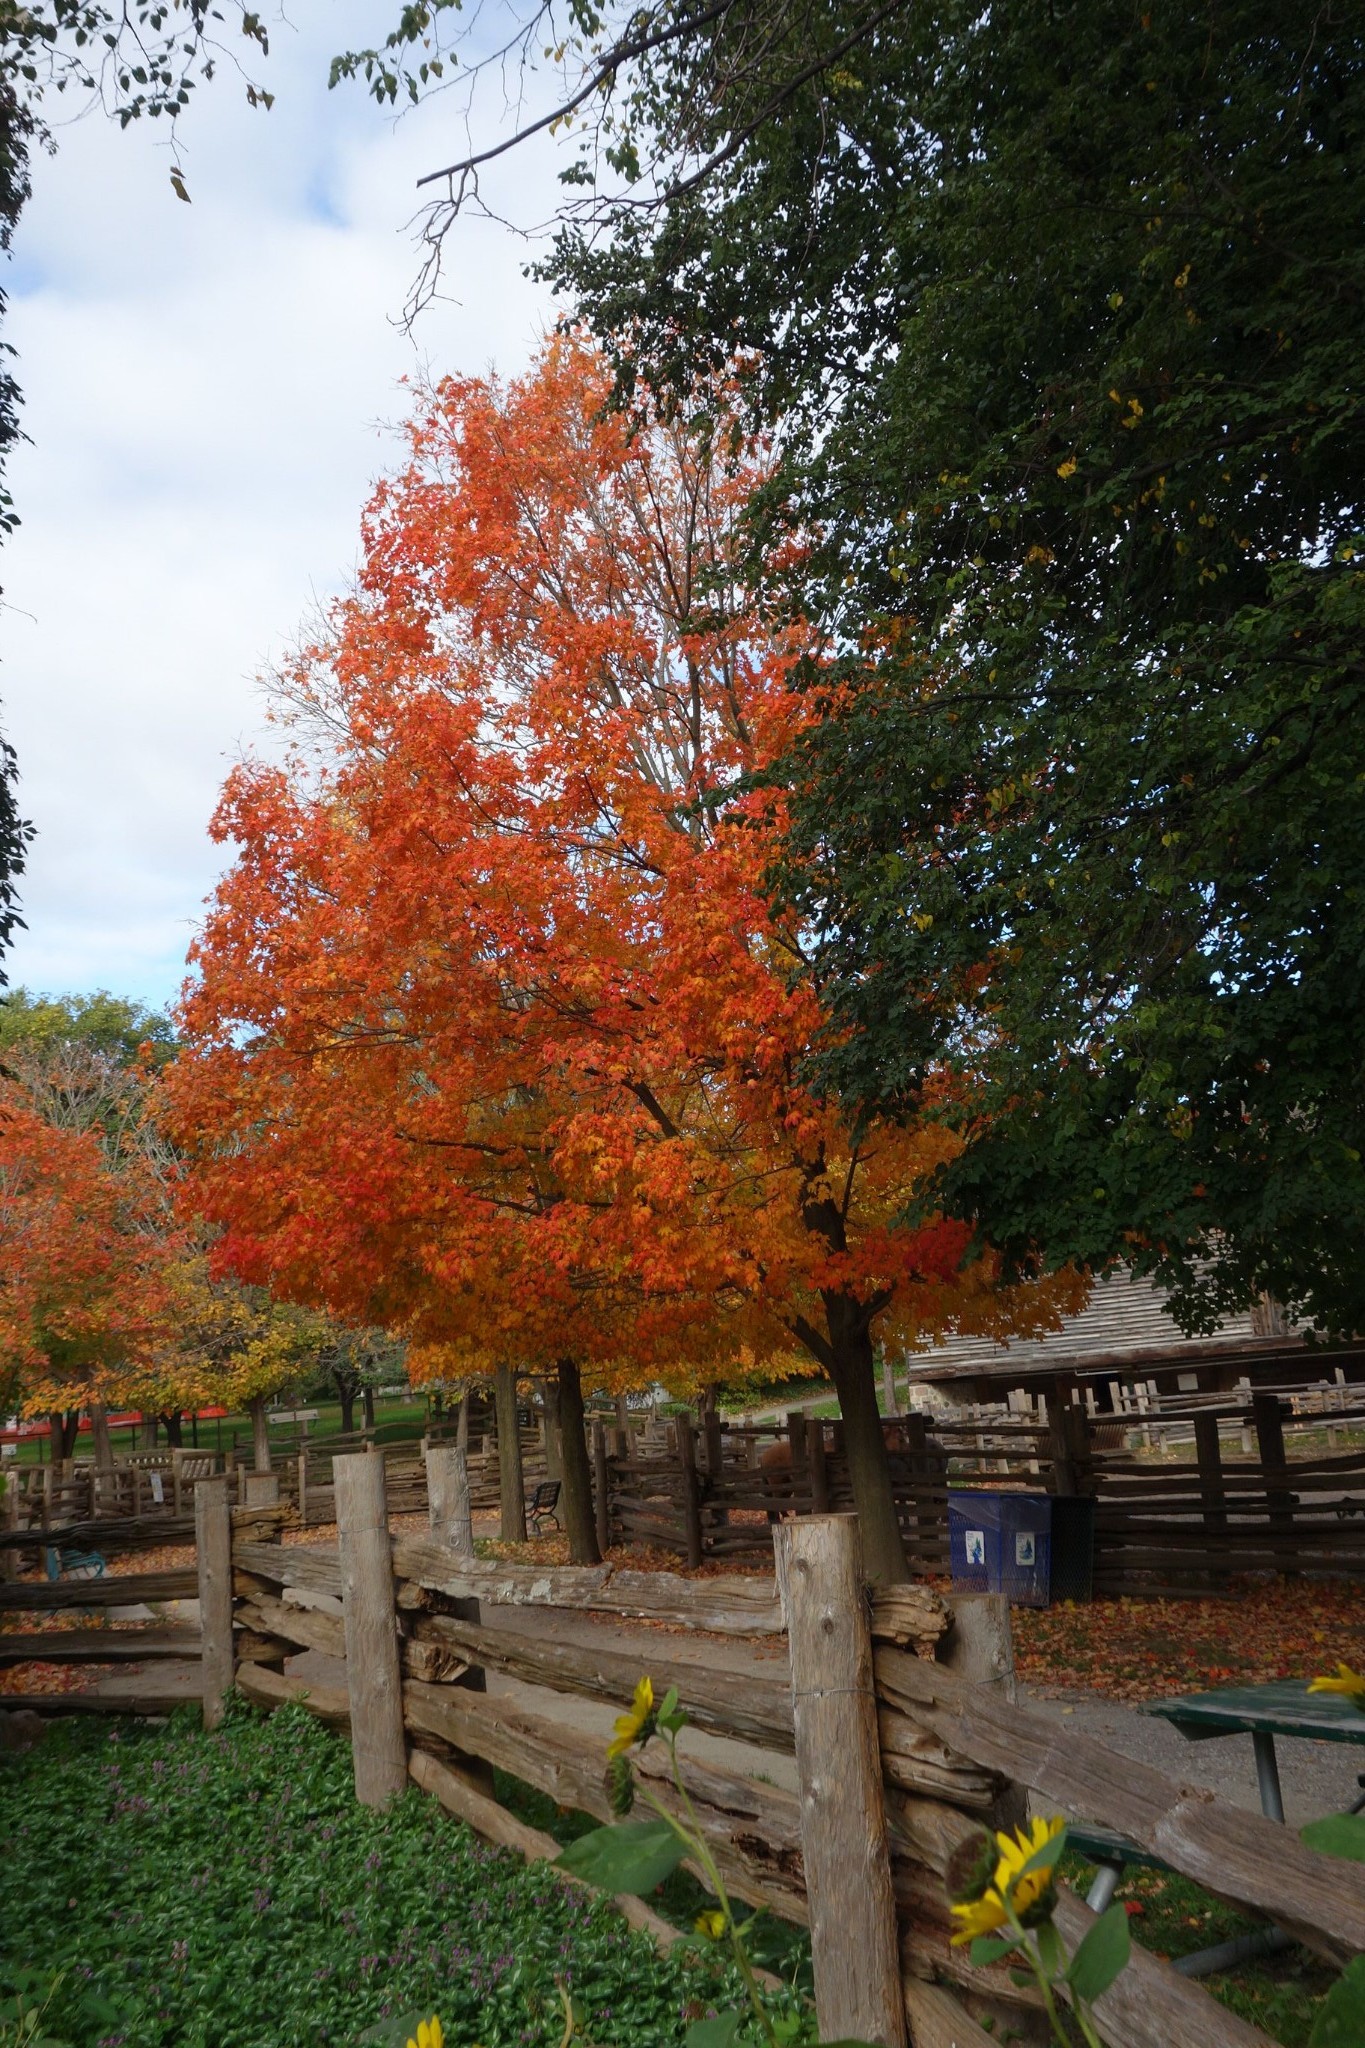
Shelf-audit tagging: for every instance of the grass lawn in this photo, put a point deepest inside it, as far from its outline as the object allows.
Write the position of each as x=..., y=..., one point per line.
x=1174, y=1918
x=226, y=1891
x=396, y=1421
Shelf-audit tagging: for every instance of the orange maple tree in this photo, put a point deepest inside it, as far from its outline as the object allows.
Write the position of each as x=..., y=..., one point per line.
x=84, y=1258
x=494, y=1033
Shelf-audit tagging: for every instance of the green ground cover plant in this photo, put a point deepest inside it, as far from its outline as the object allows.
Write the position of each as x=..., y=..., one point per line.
x=226, y=1891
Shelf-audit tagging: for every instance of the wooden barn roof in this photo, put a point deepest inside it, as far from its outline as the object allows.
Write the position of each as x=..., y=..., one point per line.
x=1124, y=1323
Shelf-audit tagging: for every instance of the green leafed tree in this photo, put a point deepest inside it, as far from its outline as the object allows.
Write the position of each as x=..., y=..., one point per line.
x=1057, y=309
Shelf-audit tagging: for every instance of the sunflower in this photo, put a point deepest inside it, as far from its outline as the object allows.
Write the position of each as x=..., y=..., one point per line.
x=429, y=2034
x=637, y=1725
x=1027, y=1895
x=1350, y=1684
x=985, y=1915
x=1027, y=1890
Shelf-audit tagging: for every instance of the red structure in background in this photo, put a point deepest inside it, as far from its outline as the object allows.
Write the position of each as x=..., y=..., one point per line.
x=23, y=1432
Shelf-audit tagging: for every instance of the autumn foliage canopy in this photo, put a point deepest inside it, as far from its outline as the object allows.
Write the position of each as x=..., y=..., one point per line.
x=494, y=1036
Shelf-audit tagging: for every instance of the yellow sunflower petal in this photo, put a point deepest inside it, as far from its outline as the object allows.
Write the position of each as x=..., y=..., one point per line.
x=982, y=1916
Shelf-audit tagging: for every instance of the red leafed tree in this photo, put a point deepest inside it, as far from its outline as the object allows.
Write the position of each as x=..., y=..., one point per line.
x=494, y=1031
x=84, y=1252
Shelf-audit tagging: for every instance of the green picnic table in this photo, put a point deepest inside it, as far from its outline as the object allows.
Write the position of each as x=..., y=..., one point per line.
x=1284, y=1707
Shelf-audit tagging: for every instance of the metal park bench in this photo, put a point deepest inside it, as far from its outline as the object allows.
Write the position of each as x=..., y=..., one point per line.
x=543, y=1507
x=65, y=1562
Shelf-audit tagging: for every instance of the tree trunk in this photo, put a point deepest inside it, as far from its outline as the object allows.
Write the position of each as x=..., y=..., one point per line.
x=853, y=1368
x=576, y=1479
x=346, y=1395
x=367, y=1406
x=99, y=1434
x=511, y=1486
x=146, y=1435
x=65, y=1425
x=260, y=1434
x=553, y=1424
x=462, y=1422
x=171, y=1424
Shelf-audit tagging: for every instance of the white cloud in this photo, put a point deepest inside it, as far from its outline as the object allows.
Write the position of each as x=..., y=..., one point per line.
x=203, y=386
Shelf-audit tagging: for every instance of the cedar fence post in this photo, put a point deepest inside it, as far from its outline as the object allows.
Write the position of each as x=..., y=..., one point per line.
x=1208, y=1451
x=601, y=1481
x=691, y=1491
x=213, y=1543
x=1268, y=1416
x=1060, y=1440
x=448, y=1506
x=815, y=1461
x=379, y=1749
x=854, y=1949
x=303, y=1483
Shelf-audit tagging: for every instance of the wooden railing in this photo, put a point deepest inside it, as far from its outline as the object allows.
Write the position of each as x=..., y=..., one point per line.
x=407, y=1619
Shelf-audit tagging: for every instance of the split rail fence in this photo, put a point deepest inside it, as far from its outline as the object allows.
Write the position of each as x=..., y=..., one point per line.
x=1239, y=1495
x=899, y=1711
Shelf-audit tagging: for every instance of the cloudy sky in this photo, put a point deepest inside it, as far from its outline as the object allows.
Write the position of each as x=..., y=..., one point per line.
x=206, y=389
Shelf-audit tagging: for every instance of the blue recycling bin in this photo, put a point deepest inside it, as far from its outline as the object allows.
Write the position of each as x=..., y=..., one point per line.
x=1002, y=1543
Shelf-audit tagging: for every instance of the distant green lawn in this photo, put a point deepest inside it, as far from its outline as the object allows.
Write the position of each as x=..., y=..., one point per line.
x=396, y=1421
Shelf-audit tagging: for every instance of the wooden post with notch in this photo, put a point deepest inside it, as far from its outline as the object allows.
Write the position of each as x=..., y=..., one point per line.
x=854, y=1949
x=213, y=1545
x=448, y=1507
x=378, y=1745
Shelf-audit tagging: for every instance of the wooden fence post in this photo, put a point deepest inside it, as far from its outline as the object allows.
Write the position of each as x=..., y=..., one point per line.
x=1268, y=1417
x=213, y=1543
x=379, y=1748
x=1060, y=1440
x=815, y=1461
x=1208, y=1451
x=303, y=1485
x=448, y=1506
x=854, y=1950
x=691, y=1491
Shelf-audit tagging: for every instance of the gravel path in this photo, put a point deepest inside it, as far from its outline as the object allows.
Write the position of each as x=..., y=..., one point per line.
x=1315, y=1777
